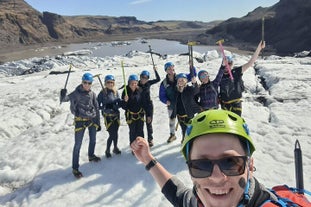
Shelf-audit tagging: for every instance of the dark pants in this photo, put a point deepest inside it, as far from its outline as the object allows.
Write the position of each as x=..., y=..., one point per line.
x=149, y=130
x=78, y=142
x=113, y=135
x=183, y=121
x=136, y=129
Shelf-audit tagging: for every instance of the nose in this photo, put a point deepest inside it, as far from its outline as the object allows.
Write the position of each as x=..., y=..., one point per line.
x=217, y=175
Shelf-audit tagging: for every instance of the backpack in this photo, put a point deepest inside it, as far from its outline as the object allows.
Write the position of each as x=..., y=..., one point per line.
x=288, y=197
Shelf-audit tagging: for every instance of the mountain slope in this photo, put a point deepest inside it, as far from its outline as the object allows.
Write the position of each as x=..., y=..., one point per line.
x=20, y=24
x=286, y=27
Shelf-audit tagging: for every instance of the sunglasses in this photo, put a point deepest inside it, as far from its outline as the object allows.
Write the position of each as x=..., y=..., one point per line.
x=88, y=83
x=230, y=166
x=144, y=77
x=204, y=76
x=109, y=82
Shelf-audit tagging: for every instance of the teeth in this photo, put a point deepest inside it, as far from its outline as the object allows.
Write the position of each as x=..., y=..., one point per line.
x=219, y=192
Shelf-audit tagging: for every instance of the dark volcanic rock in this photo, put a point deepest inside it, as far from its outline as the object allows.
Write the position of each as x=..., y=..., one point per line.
x=286, y=26
x=20, y=24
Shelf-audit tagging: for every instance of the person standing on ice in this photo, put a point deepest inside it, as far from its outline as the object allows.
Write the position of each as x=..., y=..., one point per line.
x=231, y=90
x=109, y=102
x=167, y=94
x=84, y=107
x=144, y=83
x=208, y=96
x=185, y=107
x=136, y=106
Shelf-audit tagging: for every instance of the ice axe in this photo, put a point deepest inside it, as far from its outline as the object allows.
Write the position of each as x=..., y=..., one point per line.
x=64, y=91
x=150, y=50
x=219, y=42
x=99, y=79
x=262, y=32
x=298, y=167
x=123, y=74
x=190, y=51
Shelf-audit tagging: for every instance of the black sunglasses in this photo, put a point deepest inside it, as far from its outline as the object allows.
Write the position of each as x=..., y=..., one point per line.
x=85, y=82
x=230, y=166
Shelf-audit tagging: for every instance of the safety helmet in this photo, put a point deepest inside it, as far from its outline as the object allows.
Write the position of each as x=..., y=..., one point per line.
x=167, y=65
x=87, y=77
x=109, y=78
x=216, y=121
x=229, y=59
x=145, y=73
x=181, y=75
x=133, y=77
x=201, y=72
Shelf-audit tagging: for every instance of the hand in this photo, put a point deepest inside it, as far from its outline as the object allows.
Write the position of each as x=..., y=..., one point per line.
x=126, y=98
x=99, y=128
x=193, y=80
x=141, y=150
x=262, y=44
x=149, y=119
x=168, y=103
x=63, y=93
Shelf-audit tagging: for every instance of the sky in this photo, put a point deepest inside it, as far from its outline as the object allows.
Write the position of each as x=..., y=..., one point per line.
x=36, y=132
x=154, y=10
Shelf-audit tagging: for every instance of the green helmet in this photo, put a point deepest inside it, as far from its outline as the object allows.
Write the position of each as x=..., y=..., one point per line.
x=216, y=121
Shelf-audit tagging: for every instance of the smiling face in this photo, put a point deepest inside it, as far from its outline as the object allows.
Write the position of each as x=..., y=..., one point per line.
x=133, y=85
x=110, y=84
x=219, y=190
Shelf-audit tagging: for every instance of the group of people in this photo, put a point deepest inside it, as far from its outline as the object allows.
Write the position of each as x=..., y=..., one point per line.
x=86, y=108
x=218, y=151
x=183, y=101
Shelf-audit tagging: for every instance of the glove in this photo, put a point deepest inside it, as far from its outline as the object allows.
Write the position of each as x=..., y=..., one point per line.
x=99, y=128
x=63, y=93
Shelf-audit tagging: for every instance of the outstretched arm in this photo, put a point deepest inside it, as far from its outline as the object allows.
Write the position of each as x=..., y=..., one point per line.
x=142, y=152
x=261, y=45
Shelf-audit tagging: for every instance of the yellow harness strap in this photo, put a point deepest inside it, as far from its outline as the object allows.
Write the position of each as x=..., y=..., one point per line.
x=131, y=116
x=88, y=123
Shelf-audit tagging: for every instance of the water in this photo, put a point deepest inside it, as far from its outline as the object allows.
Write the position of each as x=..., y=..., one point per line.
x=158, y=45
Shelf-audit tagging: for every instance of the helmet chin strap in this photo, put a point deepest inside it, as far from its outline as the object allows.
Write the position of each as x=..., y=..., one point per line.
x=246, y=198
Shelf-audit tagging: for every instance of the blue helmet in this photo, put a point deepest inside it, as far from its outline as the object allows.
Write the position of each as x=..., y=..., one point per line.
x=145, y=73
x=167, y=65
x=87, y=77
x=133, y=77
x=229, y=59
x=109, y=78
x=181, y=75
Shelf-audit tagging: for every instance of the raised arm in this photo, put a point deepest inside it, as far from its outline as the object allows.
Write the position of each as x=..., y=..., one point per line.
x=142, y=152
x=261, y=45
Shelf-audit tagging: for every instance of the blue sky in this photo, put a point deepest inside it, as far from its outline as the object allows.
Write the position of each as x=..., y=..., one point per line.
x=153, y=10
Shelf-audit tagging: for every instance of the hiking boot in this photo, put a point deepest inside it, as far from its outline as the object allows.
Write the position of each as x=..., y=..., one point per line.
x=150, y=142
x=171, y=138
x=108, y=154
x=77, y=173
x=116, y=151
x=94, y=158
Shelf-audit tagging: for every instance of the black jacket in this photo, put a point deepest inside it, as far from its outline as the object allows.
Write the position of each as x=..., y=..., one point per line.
x=137, y=101
x=189, y=104
x=181, y=196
